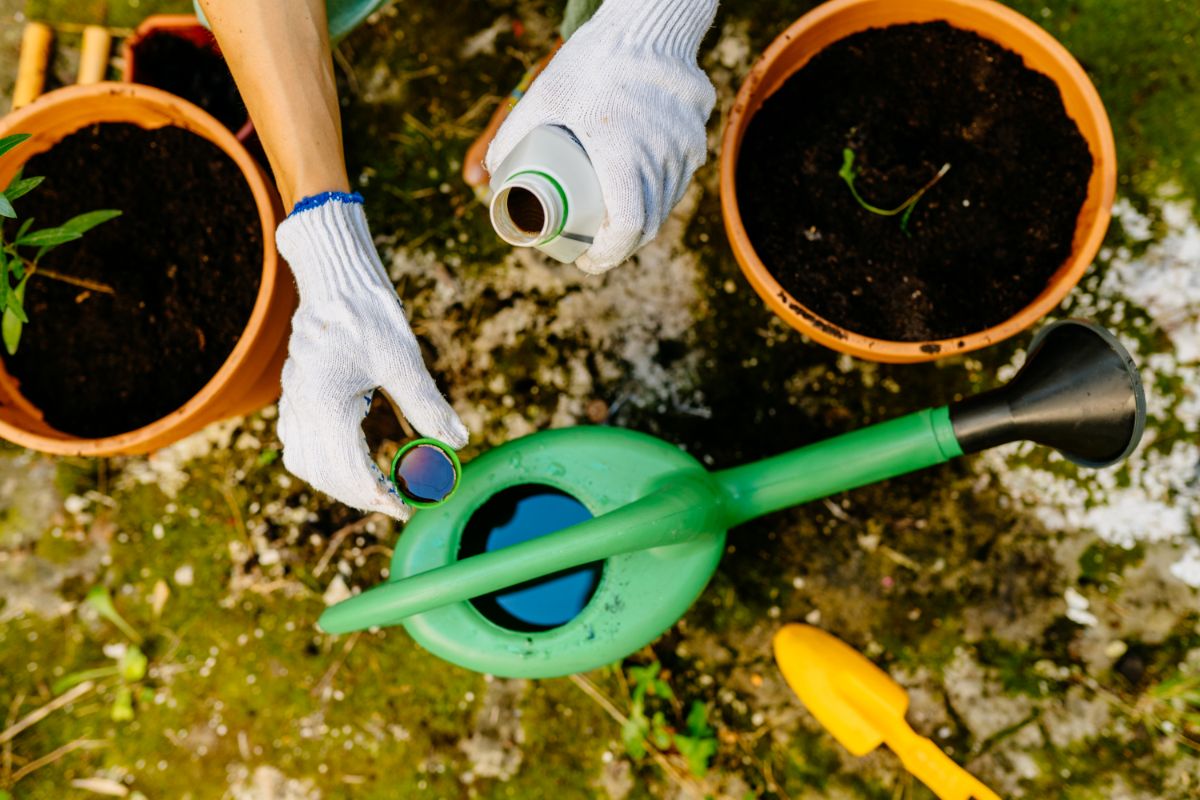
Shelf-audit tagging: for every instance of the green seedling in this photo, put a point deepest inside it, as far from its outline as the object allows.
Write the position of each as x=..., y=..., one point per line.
x=696, y=742
x=16, y=268
x=130, y=668
x=848, y=174
x=122, y=707
x=100, y=600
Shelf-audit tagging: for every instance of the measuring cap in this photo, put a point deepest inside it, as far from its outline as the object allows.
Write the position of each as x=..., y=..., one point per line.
x=426, y=472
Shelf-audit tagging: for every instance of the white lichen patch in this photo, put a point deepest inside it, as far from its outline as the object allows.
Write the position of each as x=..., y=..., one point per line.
x=1077, y=608
x=167, y=468
x=1149, y=293
x=576, y=336
x=1187, y=569
x=265, y=782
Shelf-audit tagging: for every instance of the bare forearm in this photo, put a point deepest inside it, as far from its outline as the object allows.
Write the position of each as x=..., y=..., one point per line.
x=279, y=55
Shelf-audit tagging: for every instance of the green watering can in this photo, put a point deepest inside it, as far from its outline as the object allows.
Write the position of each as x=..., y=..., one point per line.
x=570, y=549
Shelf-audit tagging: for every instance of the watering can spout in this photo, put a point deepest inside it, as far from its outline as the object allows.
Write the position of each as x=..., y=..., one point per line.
x=1078, y=392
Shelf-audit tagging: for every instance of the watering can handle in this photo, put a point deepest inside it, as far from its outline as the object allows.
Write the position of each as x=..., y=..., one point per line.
x=868, y=455
x=672, y=515
x=692, y=504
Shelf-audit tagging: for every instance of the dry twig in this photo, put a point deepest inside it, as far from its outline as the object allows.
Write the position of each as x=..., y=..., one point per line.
x=38, y=715
x=55, y=755
x=340, y=535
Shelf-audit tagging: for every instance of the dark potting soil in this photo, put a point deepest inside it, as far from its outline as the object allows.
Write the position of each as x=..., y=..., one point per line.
x=193, y=72
x=907, y=99
x=184, y=261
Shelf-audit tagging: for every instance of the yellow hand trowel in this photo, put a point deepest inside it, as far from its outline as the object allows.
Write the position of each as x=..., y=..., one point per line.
x=863, y=708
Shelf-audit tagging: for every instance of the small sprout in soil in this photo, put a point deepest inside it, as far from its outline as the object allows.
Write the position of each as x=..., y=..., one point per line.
x=130, y=667
x=16, y=269
x=695, y=740
x=848, y=174
x=101, y=602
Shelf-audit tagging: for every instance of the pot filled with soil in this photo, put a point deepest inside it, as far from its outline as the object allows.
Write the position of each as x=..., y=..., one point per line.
x=163, y=320
x=177, y=54
x=906, y=181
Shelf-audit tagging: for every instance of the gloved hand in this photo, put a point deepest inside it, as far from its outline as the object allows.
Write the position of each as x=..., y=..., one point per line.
x=628, y=86
x=349, y=337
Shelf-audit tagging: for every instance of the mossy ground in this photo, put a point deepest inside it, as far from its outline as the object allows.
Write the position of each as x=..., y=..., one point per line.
x=221, y=562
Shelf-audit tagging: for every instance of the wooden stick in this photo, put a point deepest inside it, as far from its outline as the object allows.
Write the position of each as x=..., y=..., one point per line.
x=37, y=716
x=93, y=55
x=31, y=66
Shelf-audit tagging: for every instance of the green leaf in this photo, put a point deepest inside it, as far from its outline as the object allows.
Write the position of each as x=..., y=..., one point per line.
x=4, y=285
x=660, y=732
x=99, y=599
x=6, y=208
x=20, y=188
x=9, y=142
x=48, y=237
x=16, y=301
x=631, y=735
x=634, y=731
x=85, y=222
x=133, y=664
x=11, y=324
x=697, y=720
x=21, y=231
x=697, y=751
x=122, y=707
x=847, y=173
x=76, y=678
x=643, y=677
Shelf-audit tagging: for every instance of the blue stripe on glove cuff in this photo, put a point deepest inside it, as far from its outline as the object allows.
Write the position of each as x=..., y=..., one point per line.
x=318, y=200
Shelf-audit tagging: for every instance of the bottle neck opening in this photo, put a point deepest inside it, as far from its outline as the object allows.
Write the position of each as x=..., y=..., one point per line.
x=527, y=210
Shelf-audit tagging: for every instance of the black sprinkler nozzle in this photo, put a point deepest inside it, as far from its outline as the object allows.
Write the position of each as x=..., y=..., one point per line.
x=1078, y=392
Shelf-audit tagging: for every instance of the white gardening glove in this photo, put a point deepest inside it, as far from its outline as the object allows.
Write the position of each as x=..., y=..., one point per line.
x=349, y=337
x=628, y=86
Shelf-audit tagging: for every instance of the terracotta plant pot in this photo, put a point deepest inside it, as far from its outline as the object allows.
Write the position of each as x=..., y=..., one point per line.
x=249, y=378
x=841, y=18
x=183, y=26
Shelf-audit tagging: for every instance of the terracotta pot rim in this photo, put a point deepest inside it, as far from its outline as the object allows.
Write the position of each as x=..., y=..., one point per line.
x=150, y=25
x=156, y=23
x=164, y=109
x=1008, y=29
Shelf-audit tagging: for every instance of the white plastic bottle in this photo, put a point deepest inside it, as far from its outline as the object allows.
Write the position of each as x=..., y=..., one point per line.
x=545, y=195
